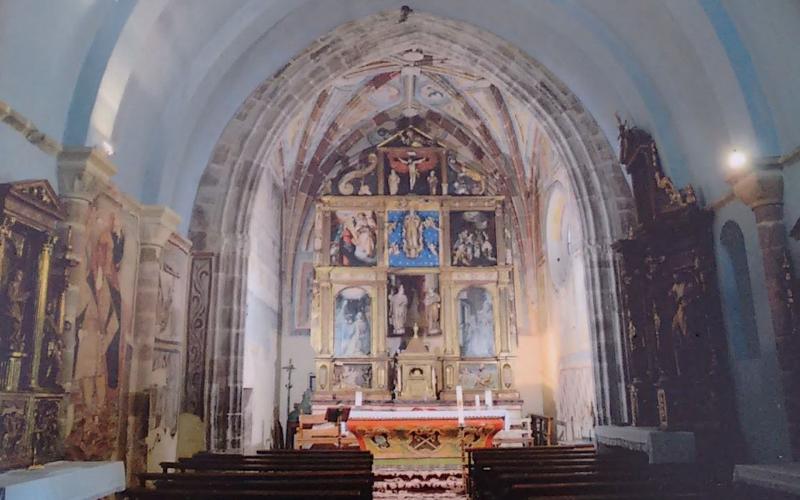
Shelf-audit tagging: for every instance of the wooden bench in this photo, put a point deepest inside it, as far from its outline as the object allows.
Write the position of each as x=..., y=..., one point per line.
x=577, y=472
x=298, y=474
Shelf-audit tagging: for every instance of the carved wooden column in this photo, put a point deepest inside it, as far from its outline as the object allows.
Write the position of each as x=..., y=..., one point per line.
x=762, y=190
x=157, y=224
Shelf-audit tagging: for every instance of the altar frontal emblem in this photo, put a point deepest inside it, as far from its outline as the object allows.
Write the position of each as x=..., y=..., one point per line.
x=424, y=440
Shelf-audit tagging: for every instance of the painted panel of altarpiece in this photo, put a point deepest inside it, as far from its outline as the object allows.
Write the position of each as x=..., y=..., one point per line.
x=473, y=238
x=352, y=322
x=103, y=326
x=13, y=414
x=475, y=322
x=360, y=180
x=413, y=238
x=463, y=180
x=412, y=171
x=353, y=238
x=355, y=376
x=478, y=376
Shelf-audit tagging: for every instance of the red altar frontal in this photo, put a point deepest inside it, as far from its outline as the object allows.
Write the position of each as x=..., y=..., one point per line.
x=424, y=436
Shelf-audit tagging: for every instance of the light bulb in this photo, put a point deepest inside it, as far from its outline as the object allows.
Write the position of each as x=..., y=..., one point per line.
x=737, y=160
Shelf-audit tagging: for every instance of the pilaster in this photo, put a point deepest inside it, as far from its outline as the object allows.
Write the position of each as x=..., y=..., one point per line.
x=761, y=189
x=83, y=173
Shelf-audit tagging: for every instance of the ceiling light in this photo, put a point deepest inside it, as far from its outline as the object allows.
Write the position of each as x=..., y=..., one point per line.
x=737, y=160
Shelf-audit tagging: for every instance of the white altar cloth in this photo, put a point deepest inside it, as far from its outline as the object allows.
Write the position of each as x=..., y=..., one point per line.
x=64, y=480
x=429, y=415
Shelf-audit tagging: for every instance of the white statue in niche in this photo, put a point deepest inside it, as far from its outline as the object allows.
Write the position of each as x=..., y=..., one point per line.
x=399, y=310
x=433, y=303
x=394, y=182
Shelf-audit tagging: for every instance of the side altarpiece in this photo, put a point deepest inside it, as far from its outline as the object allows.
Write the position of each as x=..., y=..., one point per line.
x=675, y=345
x=33, y=273
x=413, y=291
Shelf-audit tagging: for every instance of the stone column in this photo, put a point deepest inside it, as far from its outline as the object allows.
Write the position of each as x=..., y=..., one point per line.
x=82, y=174
x=762, y=190
x=157, y=223
x=225, y=411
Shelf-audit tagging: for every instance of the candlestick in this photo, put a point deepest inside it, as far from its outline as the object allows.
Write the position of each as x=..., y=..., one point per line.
x=359, y=398
x=477, y=402
x=487, y=396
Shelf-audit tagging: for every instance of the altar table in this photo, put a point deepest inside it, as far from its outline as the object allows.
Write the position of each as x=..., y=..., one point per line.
x=432, y=436
x=64, y=480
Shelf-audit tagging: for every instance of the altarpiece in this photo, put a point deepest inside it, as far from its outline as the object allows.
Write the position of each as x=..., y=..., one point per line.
x=33, y=272
x=413, y=283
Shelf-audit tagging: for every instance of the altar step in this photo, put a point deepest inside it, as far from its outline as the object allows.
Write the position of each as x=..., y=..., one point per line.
x=422, y=482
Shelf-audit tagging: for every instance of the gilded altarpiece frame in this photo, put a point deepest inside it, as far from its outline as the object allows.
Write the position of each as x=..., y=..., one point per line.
x=335, y=374
x=33, y=273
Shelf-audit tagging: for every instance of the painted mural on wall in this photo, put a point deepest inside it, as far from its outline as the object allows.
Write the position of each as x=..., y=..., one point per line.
x=354, y=238
x=102, y=329
x=164, y=406
x=165, y=374
x=413, y=238
x=474, y=238
x=352, y=322
x=475, y=322
x=304, y=294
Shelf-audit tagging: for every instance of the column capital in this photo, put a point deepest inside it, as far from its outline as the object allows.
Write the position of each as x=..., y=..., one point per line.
x=760, y=186
x=158, y=222
x=83, y=172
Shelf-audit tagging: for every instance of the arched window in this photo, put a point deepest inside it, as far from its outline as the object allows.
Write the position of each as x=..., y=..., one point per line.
x=737, y=293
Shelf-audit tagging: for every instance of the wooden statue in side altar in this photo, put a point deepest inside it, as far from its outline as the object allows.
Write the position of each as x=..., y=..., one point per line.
x=32, y=287
x=674, y=339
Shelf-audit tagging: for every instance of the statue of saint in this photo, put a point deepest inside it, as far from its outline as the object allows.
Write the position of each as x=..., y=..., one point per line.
x=399, y=306
x=433, y=304
x=394, y=182
x=413, y=171
x=679, y=320
x=433, y=181
x=14, y=310
x=412, y=235
x=53, y=346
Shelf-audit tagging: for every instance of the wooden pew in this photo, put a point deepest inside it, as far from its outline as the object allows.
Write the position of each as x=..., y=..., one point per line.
x=577, y=473
x=271, y=475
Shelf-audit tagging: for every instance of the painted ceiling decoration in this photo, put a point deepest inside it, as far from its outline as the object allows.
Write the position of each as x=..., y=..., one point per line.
x=411, y=86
